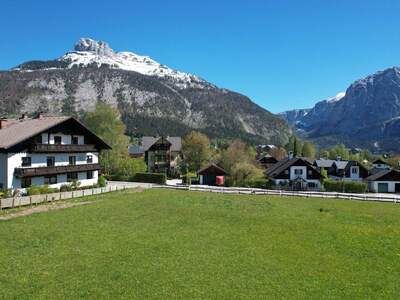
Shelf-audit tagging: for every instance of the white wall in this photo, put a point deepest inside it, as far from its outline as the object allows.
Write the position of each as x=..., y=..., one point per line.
x=373, y=185
x=65, y=139
x=293, y=176
x=40, y=160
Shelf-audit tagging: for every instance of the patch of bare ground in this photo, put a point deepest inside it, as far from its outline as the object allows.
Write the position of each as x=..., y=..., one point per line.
x=42, y=208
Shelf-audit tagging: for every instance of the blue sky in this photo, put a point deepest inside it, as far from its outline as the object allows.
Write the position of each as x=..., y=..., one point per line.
x=282, y=54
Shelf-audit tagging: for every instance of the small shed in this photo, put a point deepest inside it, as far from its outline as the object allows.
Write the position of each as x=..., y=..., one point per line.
x=385, y=181
x=212, y=175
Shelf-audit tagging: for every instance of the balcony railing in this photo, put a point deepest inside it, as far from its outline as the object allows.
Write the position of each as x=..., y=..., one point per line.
x=44, y=171
x=53, y=148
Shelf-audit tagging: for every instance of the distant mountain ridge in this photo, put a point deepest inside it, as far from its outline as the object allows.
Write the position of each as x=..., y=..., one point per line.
x=152, y=98
x=366, y=115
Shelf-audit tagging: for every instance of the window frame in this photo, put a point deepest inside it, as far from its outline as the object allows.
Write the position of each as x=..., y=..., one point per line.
x=49, y=179
x=51, y=158
x=91, y=176
x=26, y=182
x=57, y=137
x=24, y=164
x=72, y=160
x=300, y=170
x=71, y=178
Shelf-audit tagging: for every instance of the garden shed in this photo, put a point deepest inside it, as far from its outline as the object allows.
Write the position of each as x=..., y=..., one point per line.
x=212, y=175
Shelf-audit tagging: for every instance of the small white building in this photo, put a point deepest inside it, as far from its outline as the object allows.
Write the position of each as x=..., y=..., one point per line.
x=385, y=181
x=47, y=150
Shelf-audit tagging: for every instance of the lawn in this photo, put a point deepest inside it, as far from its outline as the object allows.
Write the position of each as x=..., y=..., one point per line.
x=162, y=244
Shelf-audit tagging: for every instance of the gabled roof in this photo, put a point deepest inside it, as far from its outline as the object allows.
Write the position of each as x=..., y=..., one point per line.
x=379, y=161
x=286, y=163
x=385, y=175
x=341, y=164
x=212, y=169
x=19, y=131
x=324, y=163
x=148, y=141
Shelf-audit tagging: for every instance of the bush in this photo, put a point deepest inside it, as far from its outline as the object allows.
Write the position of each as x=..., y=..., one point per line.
x=189, y=178
x=345, y=186
x=159, y=178
x=37, y=190
x=260, y=183
x=66, y=188
x=102, y=181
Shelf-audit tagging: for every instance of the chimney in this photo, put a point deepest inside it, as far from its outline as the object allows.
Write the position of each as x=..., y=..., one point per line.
x=3, y=123
x=338, y=158
x=24, y=116
x=290, y=154
x=39, y=115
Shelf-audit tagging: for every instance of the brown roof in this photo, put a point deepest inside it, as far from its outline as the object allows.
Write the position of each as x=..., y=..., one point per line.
x=385, y=175
x=21, y=130
x=212, y=169
x=286, y=163
x=148, y=141
x=18, y=131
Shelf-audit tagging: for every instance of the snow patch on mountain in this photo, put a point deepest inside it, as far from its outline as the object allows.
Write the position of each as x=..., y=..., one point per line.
x=90, y=52
x=338, y=97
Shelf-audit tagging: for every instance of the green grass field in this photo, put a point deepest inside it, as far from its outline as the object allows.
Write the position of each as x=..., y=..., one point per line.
x=162, y=244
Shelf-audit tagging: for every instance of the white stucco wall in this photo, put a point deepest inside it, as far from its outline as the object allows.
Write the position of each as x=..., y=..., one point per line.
x=373, y=185
x=14, y=160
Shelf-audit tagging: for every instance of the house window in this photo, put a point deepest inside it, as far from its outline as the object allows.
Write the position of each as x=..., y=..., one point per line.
x=354, y=170
x=50, y=179
x=1, y=185
x=72, y=160
x=26, y=182
x=89, y=175
x=312, y=185
x=74, y=140
x=89, y=159
x=26, y=161
x=57, y=140
x=72, y=176
x=298, y=171
x=51, y=161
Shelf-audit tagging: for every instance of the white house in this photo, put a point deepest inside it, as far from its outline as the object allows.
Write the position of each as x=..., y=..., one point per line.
x=385, y=181
x=297, y=173
x=47, y=150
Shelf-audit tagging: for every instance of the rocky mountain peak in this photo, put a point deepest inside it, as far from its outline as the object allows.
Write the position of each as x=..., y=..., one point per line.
x=89, y=45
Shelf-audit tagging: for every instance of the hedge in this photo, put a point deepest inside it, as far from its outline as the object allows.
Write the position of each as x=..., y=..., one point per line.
x=345, y=186
x=159, y=178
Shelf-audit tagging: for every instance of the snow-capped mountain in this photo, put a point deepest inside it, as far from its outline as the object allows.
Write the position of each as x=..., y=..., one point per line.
x=152, y=98
x=366, y=115
x=90, y=52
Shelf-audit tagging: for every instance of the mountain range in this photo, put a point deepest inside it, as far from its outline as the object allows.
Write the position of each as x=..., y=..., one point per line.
x=152, y=98
x=367, y=115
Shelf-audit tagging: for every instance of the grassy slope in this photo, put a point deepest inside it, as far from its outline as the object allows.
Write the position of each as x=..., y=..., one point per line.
x=173, y=244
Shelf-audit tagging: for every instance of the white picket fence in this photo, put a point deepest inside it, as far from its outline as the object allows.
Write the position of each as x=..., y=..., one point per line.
x=36, y=199
x=255, y=191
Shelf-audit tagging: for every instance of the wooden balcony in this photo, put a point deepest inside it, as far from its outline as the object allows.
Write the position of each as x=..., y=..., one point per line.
x=44, y=171
x=53, y=148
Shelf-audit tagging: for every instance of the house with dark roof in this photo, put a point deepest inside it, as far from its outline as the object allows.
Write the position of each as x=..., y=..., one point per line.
x=162, y=154
x=212, y=175
x=295, y=173
x=342, y=169
x=47, y=150
x=267, y=161
x=385, y=181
